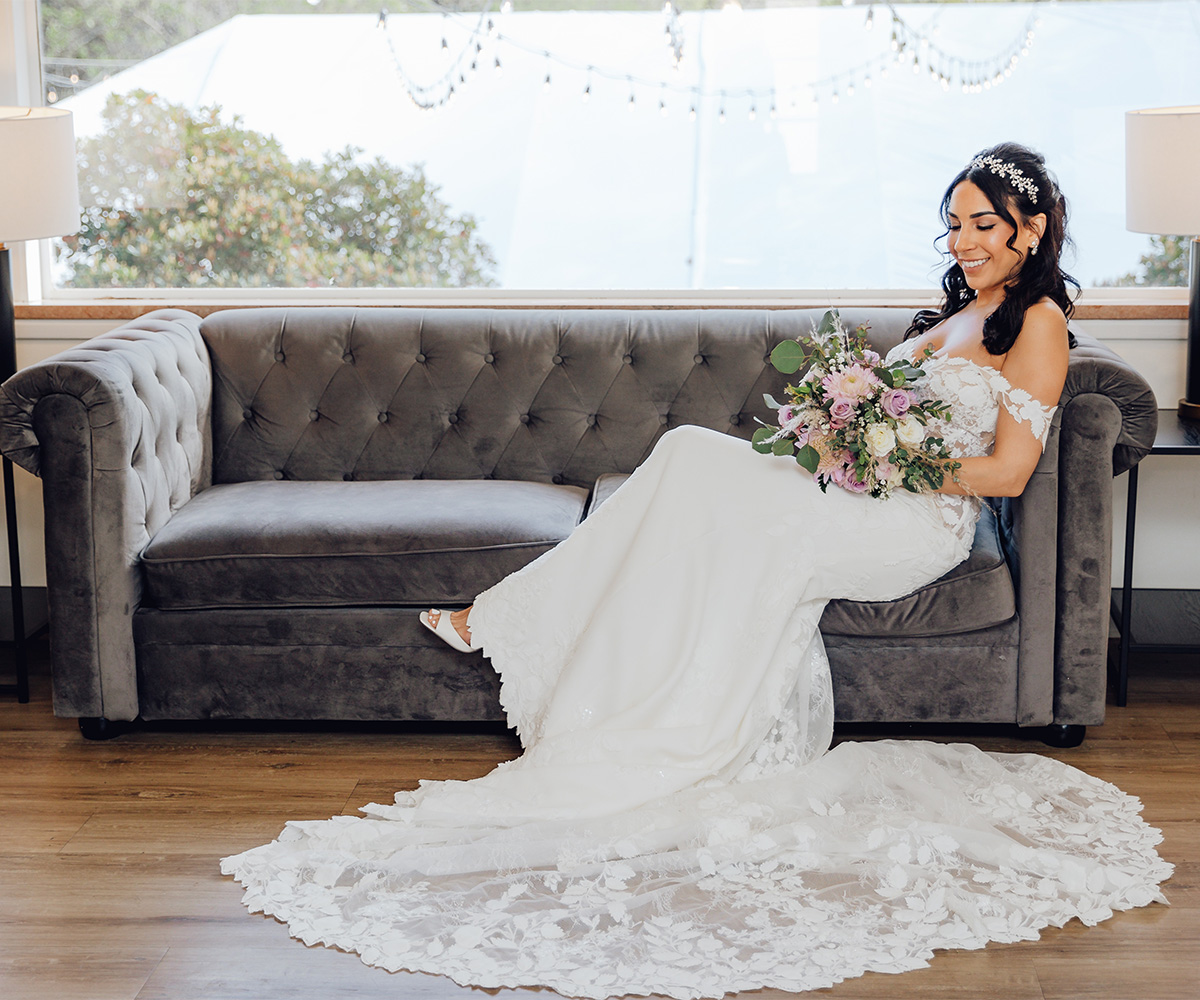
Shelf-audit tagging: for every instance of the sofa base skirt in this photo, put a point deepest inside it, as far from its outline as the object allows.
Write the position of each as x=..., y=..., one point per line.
x=381, y=664
x=965, y=677
x=353, y=664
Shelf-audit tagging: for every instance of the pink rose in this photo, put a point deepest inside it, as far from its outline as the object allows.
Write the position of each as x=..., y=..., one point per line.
x=786, y=413
x=842, y=409
x=871, y=357
x=854, y=484
x=896, y=402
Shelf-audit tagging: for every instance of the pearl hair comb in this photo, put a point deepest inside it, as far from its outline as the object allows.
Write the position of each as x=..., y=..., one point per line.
x=1010, y=172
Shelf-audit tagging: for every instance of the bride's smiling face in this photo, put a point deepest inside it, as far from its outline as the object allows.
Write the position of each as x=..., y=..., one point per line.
x=978, y=239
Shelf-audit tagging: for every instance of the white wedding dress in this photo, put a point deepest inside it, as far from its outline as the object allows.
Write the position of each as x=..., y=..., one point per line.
x=675, y=824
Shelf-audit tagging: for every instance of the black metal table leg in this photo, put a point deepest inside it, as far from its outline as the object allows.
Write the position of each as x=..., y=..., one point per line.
x=1127, y=590
x=18, y=596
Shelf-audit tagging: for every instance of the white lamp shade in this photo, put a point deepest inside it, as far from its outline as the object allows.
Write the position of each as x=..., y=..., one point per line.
x=1162, y=171
x=39, y=185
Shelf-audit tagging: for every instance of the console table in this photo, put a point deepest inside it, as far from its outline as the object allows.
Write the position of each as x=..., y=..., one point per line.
x=1175, y=437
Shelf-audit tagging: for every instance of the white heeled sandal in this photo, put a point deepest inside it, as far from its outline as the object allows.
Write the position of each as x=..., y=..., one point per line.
x=446, y=631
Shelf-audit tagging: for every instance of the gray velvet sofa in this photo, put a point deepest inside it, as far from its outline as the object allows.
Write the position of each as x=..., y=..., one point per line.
x=245, y=513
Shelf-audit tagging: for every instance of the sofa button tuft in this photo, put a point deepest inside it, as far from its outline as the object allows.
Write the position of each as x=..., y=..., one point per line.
x=314, y=414
x=627, y=358
x=735, y=419
x=453, y=418
x=279, y=355
x=525, y=418
x=663, y=419
x=383, y=418
x=556, y=480
x=557, y=359
x=247, y=414
x=278, y=473
x=348, y=357
x=699, y=359
x=489, y=358
x=591, y=420
x=348, y=477
x=420, y=359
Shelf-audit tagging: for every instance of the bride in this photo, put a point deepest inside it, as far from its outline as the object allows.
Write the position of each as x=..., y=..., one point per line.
x=677, y=823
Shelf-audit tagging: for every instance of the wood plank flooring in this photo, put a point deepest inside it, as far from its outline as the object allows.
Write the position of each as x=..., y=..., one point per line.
x=109, y=888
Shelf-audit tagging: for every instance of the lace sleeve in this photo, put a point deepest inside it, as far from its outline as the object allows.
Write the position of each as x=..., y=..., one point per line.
x=1023, y=408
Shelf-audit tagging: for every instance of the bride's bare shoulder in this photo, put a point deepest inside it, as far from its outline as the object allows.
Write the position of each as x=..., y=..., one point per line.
x=1037, y=360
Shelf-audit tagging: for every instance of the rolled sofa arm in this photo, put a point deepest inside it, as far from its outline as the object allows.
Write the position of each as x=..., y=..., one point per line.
x=119, y=429
x=1058, y=535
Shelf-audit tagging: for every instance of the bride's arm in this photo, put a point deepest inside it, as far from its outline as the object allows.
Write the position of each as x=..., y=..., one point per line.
x=1036, y=363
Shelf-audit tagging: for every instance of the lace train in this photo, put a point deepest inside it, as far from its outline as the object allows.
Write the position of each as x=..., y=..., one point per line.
x=868, y=858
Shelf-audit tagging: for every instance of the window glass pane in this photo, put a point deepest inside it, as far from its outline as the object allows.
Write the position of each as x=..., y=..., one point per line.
x=624, y=145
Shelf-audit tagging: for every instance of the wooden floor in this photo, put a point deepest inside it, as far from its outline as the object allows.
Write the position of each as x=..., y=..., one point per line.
x=109, y=885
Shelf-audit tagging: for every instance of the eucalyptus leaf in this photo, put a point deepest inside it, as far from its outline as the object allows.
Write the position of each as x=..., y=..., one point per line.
x=788, y=357
x=808, y=458
x=770, y=401
x=783, y=446
x=885, y=376
x=759, y=440
x=828, y=324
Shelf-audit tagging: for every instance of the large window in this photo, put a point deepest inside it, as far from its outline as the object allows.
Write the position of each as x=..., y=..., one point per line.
x=622, y=145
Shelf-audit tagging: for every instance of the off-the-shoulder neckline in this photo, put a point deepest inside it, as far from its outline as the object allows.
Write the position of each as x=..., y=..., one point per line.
x=955, y=357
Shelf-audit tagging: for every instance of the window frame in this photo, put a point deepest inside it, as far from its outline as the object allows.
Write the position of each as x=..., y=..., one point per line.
x=21, y=79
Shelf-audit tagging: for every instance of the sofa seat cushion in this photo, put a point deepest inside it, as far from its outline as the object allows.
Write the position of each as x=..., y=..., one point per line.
x=426, y=542
x=977, y=594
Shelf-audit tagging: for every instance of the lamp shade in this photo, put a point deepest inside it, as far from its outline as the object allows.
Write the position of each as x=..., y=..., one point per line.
x=1162, y=186
x=39, y=186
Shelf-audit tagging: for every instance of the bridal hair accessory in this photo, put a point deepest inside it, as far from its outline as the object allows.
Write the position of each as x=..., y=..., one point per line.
x=853, y=419
x=1010, y=172
x=1033, y=245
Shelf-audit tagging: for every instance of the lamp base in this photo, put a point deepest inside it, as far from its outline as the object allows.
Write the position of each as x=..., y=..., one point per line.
x=1189, y=411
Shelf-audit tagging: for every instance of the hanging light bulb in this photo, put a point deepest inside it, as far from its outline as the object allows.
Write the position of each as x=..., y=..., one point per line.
x=445, y=44
x=834, y=97
x=773, y=113
x=753, y=114
x=692, y=113
x=587, y=92
x=498, y=68
x=721, y=115
x=850, y=89
x=382, y=22
x=662, y=108
x=867, y=82
x=631, y=103
x=731, y=7
x=506, y=7
x=546, y=82
x=870, y=22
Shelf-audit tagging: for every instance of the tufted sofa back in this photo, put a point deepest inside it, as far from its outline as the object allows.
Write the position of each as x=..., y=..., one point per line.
x=544, y=395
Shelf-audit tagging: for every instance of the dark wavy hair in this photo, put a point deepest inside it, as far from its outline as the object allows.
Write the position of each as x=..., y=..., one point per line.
x=1038, y=275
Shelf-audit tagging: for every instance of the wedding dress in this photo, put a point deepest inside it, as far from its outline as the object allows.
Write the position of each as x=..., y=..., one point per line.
x=675, y=824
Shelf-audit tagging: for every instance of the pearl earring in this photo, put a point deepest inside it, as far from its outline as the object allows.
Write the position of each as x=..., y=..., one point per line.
x=1033, y=247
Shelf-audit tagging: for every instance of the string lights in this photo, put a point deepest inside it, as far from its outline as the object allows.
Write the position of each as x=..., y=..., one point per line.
x=909, y=45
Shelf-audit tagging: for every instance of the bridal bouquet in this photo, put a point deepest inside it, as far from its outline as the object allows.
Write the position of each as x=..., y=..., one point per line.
x=853, y=419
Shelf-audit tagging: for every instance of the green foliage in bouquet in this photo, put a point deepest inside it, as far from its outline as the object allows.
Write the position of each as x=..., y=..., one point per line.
x=854, y=419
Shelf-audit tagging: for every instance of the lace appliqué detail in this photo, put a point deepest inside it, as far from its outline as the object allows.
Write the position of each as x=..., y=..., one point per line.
x=975, y=394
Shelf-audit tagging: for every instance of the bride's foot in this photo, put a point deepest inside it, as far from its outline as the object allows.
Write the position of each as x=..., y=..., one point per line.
x=454, y=630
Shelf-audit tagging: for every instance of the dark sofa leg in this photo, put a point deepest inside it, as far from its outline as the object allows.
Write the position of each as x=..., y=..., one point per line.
x=1063, y=736
x=99, y=728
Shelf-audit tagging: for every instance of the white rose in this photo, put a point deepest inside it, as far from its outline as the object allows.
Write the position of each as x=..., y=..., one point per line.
x=910, y=431
x=880, y=439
